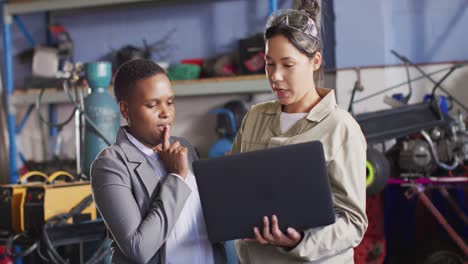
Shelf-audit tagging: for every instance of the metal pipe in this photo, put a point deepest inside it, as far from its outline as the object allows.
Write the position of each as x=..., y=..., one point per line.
x=440, y=218
x=357, y=87
x=410, y=87
x=25, y=31
x=429, y=180
x=79, y=137
x=22, y=157
x=78, y=141
x=405, y=82
x=8, y=57
x=53, y=116
x=408, y=61
x=272, y=6
x=53, y=130
x=454, y=205
x=435, y=155
x=9, y=109
x=21, y=124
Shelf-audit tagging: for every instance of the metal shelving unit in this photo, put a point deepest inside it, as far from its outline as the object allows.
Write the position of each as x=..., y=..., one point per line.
x=62, y=5
x=203, y=87
x=57, y=5
x=219, y=86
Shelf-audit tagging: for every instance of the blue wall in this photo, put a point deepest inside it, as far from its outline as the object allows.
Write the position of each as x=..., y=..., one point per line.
x=423, y=30
x=201, y=30
x=365, y=30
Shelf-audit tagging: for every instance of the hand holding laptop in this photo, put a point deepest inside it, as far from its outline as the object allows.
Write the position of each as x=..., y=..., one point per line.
x=275, y=236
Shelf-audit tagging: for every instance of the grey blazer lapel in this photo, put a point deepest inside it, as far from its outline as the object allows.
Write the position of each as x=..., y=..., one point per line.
x=141, y=165
x=147, y=176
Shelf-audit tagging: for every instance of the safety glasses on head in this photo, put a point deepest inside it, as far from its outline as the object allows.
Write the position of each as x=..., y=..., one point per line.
x=296, y=19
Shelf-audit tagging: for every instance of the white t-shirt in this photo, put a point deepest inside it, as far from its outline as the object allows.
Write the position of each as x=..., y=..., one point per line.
x=288, y=120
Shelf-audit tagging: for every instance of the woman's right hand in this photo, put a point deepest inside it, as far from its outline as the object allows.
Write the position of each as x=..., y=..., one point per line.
x=174, y=156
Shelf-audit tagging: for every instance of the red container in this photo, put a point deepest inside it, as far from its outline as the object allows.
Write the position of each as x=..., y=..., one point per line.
x=195, y=61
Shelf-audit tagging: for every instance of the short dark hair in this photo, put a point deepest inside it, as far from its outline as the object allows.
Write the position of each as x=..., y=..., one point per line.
x=132, y=71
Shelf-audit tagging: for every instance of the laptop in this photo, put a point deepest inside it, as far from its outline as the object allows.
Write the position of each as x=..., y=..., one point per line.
x=290, y=181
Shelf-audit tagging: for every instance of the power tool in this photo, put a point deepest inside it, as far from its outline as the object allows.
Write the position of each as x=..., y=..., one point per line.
x=11, y=196
x=45, y=201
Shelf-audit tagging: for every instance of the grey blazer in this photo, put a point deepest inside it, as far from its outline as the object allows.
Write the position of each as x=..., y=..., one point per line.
x=139, y=208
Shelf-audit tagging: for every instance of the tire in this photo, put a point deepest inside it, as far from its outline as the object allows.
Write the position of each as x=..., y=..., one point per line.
x=377, y=171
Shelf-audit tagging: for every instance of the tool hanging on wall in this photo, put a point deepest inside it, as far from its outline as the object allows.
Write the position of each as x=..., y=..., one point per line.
x=159, y=50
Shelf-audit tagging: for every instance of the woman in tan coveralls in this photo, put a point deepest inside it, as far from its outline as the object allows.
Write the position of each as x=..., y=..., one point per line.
x=304, y=112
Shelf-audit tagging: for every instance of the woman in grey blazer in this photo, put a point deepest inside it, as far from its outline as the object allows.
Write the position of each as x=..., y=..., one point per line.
x=143, y=185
